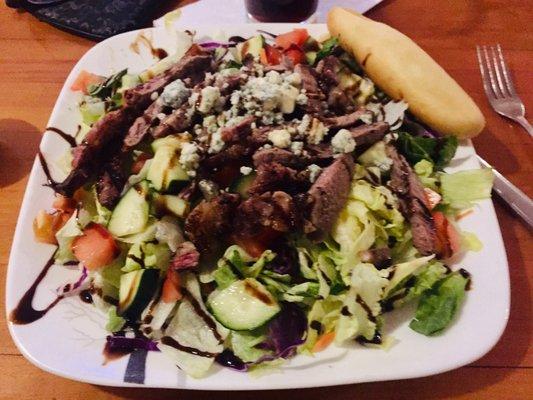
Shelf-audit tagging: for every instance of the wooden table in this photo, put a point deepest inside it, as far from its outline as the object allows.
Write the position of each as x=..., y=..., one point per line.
x=35, y=59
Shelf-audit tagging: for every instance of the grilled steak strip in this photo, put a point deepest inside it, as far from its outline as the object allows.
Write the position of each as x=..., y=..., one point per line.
x=179, y=121
x=110, y=183
x=407, y=186
x=192, y=65
x=328, y=195
x=270, y=210
x=142, y=124
x=280, y=156
x=274, y=176
x=344, y=121
x=95, y=149
x=366, y=135
x=313, y=92
x=209, y=221
x=239, y=131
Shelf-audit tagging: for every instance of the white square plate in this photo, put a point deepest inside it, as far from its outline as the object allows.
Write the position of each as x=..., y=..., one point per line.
x=69, y=340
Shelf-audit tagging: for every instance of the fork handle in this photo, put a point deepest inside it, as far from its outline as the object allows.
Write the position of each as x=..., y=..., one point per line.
x=514, y=197
x=525, y=124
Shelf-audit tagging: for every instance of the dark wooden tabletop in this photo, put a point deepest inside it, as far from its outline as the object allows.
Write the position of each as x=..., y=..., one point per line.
x=36, y=58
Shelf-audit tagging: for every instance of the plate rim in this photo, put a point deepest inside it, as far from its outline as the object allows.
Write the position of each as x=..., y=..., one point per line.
x=204, y=384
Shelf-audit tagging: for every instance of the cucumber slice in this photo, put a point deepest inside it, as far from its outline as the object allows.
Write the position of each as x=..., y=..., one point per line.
x=131, y=213
x=170, y=203
x=165, y=173
x=136, y=290
x=169, y=141
x=252, y=46
x=243, y=305
x=242, y=184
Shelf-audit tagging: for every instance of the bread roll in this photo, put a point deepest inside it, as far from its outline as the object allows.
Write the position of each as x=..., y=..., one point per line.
x=404, y=71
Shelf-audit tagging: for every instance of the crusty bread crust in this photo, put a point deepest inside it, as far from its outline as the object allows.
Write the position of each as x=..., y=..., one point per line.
x=404, y=71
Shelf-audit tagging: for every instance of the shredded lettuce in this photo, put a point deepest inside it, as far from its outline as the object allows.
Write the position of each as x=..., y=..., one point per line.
x=189, y=329
x=438, y=306
x=362, y=304
x=470, y=242
x=322, y=318
x=114, y=321
x=424, y=170
x=423, y=280
x=400, y=273
x=462, y=189
x=147, y=255
x=244, y=345
x=64, y=237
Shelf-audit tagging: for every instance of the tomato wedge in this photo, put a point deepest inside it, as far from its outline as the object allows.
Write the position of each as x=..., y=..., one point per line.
x=269, y=55
x=84, y=79
x=96, y=248
x=295, y=54
x=257, y=244
x=171, y=287
x=296, y=37
x=448, y=240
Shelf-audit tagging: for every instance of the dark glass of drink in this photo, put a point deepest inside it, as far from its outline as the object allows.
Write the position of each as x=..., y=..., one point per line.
x=281, y=10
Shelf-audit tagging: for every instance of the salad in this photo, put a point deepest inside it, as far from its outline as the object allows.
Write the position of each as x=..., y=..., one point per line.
x=258, y=198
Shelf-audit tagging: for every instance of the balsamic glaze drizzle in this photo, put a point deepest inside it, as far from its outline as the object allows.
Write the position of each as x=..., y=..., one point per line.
x=71, y=140
x=167, y=340
x=24, y=313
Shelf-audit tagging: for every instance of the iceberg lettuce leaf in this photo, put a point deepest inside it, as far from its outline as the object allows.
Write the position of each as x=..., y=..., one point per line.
x=462, y=189
x=439, y=305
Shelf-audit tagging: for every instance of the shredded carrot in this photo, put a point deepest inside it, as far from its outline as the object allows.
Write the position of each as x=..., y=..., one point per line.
x=464, y=214
x=323, y=342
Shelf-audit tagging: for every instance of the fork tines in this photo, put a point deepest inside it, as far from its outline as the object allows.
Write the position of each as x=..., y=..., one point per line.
x=495, y=73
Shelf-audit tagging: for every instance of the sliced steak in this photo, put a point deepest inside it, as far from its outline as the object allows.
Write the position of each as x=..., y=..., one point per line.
x=274, y=176
x=180, y=120
x=209, y=222
x=344, y=121
x=407, y=186
x=338, y=101
x=142, y=124
x=313, y=92
x=259, y=136
x=380, y=257
x=185, y=258
x=192, y=65
x=308, y=76
x=228, y=84
x=320, y=152
x=233, y=154
x=100, y=143
x=239, y=131
x=327, y=70
x=277, y=155
x=110, y=183
x=366, y=135
x=328, y=195
x=273, y=210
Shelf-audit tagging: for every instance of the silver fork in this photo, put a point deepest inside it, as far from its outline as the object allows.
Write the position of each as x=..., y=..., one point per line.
x=499, y=86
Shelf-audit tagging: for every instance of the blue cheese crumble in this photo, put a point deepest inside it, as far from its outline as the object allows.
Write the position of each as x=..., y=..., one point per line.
x=175, y=94
x=189, y=158
x=209, y=100
x=343, y=142
x=280, y=138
